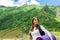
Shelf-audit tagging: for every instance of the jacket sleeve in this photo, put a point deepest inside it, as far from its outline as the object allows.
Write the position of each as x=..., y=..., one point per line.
x=46, y=31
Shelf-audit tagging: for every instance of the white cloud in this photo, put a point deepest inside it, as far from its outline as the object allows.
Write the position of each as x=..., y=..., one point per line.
x=18, y=3
x=34, y=2
x=21, y=2
x=11, y=2
x=7, y=3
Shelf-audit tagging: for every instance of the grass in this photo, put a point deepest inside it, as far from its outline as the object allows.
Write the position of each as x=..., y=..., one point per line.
x=57, y=19
x=16, y=34
x=26, y=37
x=57, y=34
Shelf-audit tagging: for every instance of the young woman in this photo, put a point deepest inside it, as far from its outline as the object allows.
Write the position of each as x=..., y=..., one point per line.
x=38, y=32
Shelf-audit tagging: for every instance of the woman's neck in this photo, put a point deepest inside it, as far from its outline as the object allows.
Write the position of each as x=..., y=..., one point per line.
x=35, y=26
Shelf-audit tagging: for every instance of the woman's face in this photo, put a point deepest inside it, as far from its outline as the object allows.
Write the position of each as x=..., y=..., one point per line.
x=35, y=21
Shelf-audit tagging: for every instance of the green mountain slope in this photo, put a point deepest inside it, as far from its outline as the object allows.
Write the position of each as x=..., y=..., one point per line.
x=21, y=17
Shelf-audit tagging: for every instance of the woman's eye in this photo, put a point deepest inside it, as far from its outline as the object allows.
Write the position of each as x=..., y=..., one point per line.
x=35, y=20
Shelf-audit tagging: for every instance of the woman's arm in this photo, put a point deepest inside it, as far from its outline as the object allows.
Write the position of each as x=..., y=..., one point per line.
x=46, y=31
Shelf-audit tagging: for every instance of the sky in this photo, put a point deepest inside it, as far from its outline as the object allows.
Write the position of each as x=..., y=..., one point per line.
x=18, y=2
x=50, y=2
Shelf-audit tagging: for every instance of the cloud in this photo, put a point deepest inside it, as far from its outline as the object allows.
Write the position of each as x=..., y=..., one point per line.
x=18, y=3
x=21, y=2
x=7, y=3
x=34, y=2
x=28, y=2
x=12, y=3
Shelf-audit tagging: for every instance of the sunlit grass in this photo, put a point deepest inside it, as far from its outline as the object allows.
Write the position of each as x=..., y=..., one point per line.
x=57, y=35
x=16, y=34
x=57, y=19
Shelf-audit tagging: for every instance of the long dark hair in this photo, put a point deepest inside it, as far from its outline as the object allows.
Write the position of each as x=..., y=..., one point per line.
x=33, y=23
x=38, y=27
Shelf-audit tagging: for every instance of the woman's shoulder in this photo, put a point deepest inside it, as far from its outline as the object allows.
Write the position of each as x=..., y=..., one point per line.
x=41, y=25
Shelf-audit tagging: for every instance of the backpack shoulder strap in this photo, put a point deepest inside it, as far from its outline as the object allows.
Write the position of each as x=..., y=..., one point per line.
x=41, y=31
